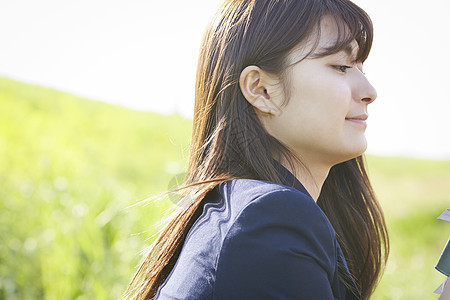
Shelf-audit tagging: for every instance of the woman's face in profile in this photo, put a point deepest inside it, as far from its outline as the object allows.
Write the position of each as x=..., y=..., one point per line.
x=325, y=118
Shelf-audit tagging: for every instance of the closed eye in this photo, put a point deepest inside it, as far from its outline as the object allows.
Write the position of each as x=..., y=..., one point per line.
x=342, y=68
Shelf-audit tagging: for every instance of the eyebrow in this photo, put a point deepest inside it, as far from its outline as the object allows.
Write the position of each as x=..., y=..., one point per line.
x=350, y=51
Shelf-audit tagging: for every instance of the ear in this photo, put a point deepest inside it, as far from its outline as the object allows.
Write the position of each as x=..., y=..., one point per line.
x=257, y=86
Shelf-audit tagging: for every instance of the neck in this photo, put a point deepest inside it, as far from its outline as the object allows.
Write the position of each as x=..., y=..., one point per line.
x=311, y=176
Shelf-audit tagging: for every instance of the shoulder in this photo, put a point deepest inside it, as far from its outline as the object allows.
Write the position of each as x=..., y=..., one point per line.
x=271, y=202
x=280, y=242
x=272, y=216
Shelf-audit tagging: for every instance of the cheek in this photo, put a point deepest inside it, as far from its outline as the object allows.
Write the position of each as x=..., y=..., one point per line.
x=316, y=122
x=322, y=106
x=313, y=121
x=323, y=101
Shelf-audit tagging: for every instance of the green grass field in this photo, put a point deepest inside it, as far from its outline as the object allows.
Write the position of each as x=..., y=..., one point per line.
x=71, y=167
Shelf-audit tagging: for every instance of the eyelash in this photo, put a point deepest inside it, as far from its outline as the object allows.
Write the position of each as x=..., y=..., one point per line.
x=342, y=68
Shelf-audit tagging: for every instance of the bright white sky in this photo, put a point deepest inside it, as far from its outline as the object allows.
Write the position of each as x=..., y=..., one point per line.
x=143, y=54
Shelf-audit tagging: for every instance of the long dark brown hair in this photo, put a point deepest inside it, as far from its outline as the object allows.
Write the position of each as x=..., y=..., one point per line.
x=228, y=141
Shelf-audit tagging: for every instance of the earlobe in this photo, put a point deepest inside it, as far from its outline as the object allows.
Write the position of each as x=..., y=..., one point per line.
x=263, y=105
x=255, y=86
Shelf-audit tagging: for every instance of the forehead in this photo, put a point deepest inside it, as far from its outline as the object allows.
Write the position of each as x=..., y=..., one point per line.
x=323, y=38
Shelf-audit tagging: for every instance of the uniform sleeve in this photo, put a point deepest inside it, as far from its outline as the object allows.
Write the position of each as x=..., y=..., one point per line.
x=280, y=247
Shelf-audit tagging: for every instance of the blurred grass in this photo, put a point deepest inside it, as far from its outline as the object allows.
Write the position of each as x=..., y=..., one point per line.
x=70, y=167
x=413, y=193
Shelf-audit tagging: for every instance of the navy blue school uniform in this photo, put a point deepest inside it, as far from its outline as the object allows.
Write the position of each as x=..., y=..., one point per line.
x=259, y=240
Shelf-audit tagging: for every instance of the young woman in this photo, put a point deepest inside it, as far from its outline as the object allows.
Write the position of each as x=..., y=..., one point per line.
x=278, y=202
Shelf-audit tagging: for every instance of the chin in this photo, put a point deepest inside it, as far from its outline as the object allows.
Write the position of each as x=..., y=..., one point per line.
x=357, y=149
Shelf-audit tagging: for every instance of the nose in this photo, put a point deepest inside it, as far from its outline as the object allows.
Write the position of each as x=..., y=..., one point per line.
x=365, y=92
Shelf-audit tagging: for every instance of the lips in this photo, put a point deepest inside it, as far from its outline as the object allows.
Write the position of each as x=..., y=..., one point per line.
x=362, y=117
x=359, y=119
